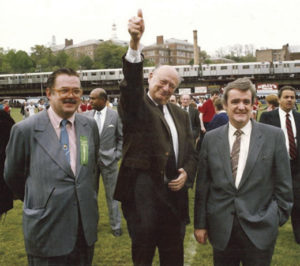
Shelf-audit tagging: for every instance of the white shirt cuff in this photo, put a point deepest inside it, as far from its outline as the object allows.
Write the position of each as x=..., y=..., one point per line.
x=134, y=56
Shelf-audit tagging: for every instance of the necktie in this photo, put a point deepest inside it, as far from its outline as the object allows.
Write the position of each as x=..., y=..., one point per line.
x=171, y=168
x=235, y=153
x=185, y=108
x=99, y=121
x=64, y=138
x=292, y=144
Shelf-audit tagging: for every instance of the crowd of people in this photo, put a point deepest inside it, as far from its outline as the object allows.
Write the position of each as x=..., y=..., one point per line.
x=246, y=173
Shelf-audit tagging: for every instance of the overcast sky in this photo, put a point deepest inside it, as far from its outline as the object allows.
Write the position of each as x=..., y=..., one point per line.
x=220, y=23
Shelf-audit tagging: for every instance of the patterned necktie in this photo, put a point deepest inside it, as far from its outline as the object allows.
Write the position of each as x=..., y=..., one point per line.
x=292, y=144
x=64, y=138
x=235, y=153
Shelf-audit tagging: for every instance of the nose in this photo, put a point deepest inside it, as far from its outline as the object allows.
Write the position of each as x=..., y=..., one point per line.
x=241, y=106
x=166, y=87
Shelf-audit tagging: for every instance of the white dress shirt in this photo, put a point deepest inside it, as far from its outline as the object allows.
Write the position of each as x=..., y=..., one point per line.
x=282, y=116
x=244, y=148
x=102, y=118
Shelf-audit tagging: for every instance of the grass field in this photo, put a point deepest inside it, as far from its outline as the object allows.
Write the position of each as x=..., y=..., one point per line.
x=116, y=251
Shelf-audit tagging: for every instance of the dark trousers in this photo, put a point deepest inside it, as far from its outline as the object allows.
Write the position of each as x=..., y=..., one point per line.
x=82, y=254
x=241, y=249
x=152, y=223
x=295, y=215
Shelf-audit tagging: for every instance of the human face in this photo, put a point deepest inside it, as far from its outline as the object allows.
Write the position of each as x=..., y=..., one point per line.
x=239, y=107
x=173, y=99
x=185, y=100
x=65, y=105
x=287, y=100
x=96, y=102
x=162, y=83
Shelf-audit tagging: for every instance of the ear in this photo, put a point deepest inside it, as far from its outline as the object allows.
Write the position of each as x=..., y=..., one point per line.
x=150, y=76
x=48, y=93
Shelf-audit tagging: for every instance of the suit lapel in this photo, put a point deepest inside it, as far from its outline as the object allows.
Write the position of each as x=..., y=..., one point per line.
x=223, y=145
x=107, y=121
x=276, y=118
x=255, y=146
x=46, y=137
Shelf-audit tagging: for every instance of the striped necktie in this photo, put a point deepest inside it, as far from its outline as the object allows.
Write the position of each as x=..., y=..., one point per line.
x=64, y=138
x=235, y=153
x=292, y=144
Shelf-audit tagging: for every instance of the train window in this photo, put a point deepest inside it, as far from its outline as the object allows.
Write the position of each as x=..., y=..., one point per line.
x=297, y=64
x=2, y=78
x=256, y=66
x=286, y=65
x=94, y=74
x=102, y=73
x=246, y=67
x=212, y=68
x=111, y=72
x=234, y=67
x=223, y=67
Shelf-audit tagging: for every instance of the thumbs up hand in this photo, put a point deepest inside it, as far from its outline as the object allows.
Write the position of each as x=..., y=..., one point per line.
x=136, y=29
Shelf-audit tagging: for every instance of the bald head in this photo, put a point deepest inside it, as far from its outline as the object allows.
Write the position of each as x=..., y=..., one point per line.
x=98, y=98
x=162, y=83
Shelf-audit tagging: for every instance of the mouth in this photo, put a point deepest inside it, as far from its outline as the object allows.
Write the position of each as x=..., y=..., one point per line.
x=71, y=101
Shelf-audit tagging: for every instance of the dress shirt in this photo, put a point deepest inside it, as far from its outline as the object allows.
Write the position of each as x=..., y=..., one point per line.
x=244, y=149
x=134, y=56
x=187, y=108
x=282, y=116
x=102, y=118
x=55, y=120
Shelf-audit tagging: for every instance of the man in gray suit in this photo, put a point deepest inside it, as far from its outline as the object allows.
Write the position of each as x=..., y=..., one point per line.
x=51, y=165
x=111, y=141
x=244, y=186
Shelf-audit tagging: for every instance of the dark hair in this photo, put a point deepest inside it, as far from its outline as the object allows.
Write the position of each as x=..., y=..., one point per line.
x=284, y=88
x=62, y=71
x=242, y=84
x=214, y=92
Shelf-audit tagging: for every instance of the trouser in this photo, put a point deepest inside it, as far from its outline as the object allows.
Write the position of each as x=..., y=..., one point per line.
x=152, y=223
x=109, y=176
x=241, y=249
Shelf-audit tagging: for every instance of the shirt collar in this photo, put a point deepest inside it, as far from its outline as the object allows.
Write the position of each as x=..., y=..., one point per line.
x=246, y=129
x=56, y=119
x=283, y=113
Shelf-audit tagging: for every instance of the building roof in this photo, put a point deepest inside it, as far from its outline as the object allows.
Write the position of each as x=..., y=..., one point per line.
x=294, y=49
x=85, y=43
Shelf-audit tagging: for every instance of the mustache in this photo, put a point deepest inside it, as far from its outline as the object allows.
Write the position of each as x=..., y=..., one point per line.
x=69, y=101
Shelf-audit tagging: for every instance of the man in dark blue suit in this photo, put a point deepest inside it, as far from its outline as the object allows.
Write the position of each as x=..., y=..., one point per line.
x=278, y=118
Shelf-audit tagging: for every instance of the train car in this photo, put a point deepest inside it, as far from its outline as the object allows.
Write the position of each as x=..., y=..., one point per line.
x=286, y=67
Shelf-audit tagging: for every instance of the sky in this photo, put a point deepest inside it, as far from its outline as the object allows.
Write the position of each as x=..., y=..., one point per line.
x=220, y=23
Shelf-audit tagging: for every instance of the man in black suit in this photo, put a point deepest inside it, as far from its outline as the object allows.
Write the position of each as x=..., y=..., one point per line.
x=278, y=118
x=159, y=160
x=193, y=113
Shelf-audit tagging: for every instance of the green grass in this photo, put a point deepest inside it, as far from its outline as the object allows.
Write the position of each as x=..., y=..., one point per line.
x=117, y=251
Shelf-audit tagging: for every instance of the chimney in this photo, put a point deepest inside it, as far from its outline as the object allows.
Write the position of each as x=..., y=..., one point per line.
x=68, y=42
x=160, y=39
x=196, y=51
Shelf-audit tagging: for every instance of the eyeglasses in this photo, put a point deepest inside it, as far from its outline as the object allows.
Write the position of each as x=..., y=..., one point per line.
x=64, y=92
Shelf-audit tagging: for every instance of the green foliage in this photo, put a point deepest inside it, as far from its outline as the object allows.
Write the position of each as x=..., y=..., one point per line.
x=108, y=55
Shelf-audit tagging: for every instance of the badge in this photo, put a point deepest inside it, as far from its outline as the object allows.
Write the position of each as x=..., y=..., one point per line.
x=84, y=150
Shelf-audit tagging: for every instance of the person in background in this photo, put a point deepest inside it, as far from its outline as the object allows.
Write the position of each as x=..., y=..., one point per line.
x=272, y=102
x=286, y=118
x=220, y=118
x=6, y=196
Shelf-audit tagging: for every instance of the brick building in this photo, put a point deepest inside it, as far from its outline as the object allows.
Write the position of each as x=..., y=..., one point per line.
x=171, y=52
x=286, y=53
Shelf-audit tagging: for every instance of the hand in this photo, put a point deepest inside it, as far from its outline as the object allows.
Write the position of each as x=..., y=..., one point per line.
x=201, y=235
x=179, y=182
x=136, y=29
x=203, y=129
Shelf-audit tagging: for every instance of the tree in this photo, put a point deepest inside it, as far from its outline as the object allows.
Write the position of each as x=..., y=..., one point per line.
x=42, y=57
x=108, y=55
x=85, y=62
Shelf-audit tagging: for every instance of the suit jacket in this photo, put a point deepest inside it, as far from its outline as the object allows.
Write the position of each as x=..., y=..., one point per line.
x=195, y=121
x=263, y=199
x=147, y=136
x=111, y=138
x=272, y=118
x=37, y=171
x=6, y=196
